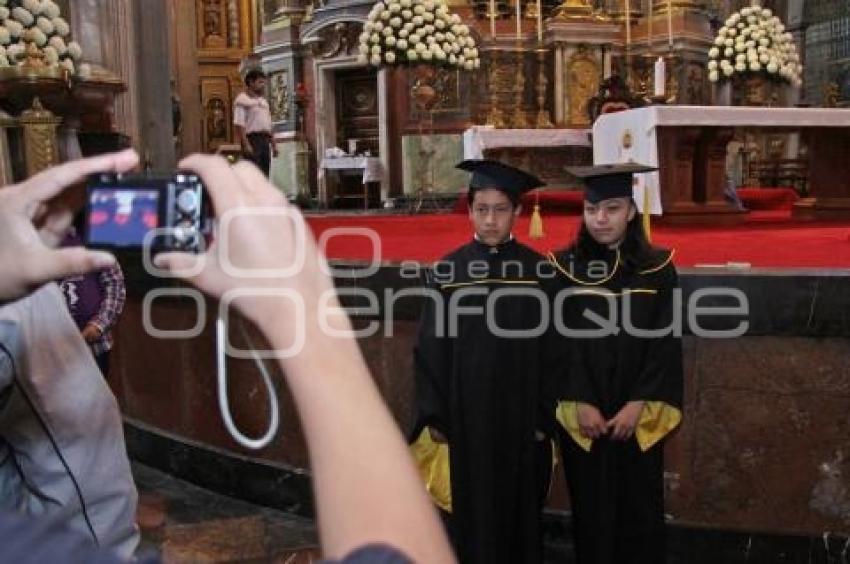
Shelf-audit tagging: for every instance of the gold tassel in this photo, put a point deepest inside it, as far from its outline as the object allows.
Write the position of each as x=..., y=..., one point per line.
x=647, y=217
x=535, y=228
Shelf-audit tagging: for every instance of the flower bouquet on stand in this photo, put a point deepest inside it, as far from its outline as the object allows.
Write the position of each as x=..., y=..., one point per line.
x=754, y=53
x=424, y=35
x=33, y=33
x=417, y=31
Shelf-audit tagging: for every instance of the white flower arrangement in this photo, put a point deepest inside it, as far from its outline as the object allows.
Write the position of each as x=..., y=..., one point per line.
x=753, y=40
x=15, y=28
x=61, y=26
x=38, y=22
x=45, y=25
x=410, y=31
x=23, y=15
x=50, y=9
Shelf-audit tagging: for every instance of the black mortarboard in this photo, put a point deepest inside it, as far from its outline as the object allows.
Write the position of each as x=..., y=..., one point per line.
x=499, y=176
x=602, y=182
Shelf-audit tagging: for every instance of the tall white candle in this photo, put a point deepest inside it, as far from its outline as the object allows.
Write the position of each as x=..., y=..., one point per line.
x=628, y=22
x=660, y=78
x=539, y=21
x=670, y=23
x=492, y=19
x=606, y=64
x=518, y=19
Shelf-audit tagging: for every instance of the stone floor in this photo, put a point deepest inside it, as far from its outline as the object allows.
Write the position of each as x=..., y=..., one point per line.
x=187, y=524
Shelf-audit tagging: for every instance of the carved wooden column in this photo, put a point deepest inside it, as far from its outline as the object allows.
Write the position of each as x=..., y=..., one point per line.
x=186, y=73
x=6, y=173
x=829, y=168
x=153, y=84
x=710, y=166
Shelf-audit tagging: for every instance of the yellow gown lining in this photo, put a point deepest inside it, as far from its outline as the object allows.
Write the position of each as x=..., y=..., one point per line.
x=656, y=420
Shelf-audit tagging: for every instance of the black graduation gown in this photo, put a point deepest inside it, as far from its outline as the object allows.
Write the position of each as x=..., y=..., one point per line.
x=616, y=489
x=482, y=392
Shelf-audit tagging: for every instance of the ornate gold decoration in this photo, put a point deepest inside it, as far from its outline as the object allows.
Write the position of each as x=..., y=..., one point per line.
x=233, y=21
x=660, y=6
x=213, y=30
x=337, y=40
x=831, y=95
x=582, y=84
x=216, y=119
x=543, y=119
x=628, y=139
x=518, y=119
x=34, y=58
x=40, y=145
x=573, y=9
x=279, y=86
x=495, y=117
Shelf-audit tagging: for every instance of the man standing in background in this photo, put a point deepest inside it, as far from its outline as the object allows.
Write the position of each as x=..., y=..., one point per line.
x=253, y=120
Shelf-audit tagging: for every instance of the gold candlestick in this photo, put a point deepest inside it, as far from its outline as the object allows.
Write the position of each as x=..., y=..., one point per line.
x=495, y=117
x=518, y=119
x=543, y=119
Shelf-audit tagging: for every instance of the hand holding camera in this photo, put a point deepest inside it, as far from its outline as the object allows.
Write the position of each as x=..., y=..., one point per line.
x=32, y=223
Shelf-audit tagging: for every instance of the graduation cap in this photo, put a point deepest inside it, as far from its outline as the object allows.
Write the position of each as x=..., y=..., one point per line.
x=602, y=182
x=499, y=176
x=489, y=174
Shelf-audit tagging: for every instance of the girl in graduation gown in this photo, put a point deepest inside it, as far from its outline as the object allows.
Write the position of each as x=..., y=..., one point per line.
x=621, y=391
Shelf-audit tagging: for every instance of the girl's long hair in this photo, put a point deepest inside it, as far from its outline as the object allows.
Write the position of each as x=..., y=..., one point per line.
x=635, y=250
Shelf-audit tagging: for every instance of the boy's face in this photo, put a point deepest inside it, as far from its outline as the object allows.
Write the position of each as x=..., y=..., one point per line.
x=258, y=86
x=493, y=215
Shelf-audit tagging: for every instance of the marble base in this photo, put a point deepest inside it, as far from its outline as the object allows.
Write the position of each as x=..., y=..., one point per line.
x=447, y=151
x=289, y=169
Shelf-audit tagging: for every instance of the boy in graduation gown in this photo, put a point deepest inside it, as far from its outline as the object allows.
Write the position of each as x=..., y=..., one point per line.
x=623, y=392
x=479, y=400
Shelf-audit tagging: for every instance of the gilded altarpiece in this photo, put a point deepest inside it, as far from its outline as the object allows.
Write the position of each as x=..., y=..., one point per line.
x=225, y=33
x=582, y=82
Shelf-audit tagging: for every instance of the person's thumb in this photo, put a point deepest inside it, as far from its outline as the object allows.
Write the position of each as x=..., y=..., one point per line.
x=184, y=266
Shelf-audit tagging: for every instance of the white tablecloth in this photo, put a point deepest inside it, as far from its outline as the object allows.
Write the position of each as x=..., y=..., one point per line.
x=641, y=123
x=371, y=166
x=478, y=138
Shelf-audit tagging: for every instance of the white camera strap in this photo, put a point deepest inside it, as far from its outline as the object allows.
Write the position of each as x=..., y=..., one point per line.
x=224, y=404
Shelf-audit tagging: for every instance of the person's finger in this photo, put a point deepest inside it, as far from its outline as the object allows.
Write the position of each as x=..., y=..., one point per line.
x=184, y=266
x=51, y=265
x=219, y=179
x=52, y=181
x=55, y=227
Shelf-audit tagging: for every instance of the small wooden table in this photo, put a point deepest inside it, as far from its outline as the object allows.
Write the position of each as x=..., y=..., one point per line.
x=369, y=167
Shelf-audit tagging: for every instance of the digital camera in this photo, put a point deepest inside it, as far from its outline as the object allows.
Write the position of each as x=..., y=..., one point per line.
x=168, y=212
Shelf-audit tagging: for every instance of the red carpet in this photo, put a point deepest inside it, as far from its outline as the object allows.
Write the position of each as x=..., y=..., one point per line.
x=768, y=239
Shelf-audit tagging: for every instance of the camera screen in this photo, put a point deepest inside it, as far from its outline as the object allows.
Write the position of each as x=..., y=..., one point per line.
x=122, y=216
